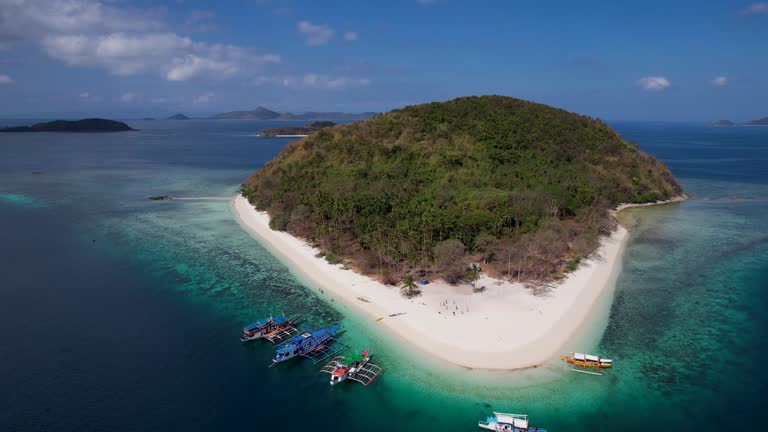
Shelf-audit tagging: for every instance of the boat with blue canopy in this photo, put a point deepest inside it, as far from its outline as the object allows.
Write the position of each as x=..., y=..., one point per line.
x=315, y=345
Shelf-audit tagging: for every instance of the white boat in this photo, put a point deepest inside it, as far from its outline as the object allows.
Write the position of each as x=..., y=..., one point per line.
x=508, y=422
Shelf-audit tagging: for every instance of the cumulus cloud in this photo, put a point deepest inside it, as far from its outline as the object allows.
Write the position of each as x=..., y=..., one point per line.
x=720, y=81
x=25, y=20
x=755, y=9
x=128, y=97
x=315, y=34
x=174, y=57
x=123, y=41
x=350, y=36
x=5, y=79
x=654, y=83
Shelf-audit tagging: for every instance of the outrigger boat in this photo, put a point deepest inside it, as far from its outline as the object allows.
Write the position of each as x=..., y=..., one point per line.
x=508, y=422
x=273, y=329
x=315, y=345
x=356, y=367
x=588, y=361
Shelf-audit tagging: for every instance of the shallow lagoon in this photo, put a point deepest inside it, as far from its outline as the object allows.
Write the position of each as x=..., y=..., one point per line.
x=124, y=313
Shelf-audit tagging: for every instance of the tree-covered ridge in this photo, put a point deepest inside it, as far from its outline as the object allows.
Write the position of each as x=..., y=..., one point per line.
x=524, y=187
x=297, y=130
x=84, y=125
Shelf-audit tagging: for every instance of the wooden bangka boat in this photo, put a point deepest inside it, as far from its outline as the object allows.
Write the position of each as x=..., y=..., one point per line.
x=588, y=361
x=508, y=422
x=277, y=328
x=315, y=345
x=354, y=367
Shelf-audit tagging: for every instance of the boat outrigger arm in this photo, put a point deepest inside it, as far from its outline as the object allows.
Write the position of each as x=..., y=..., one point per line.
x=588, y=361
x=508, y=422
x=273, y=329
x=356, y=367
x=316, y=345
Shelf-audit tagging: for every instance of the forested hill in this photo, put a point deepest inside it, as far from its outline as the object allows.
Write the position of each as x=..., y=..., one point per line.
x=523, y=186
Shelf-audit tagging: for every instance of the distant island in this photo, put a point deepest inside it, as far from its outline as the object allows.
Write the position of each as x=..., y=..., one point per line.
x=759, y=122
x=178, y=116
x=261, y=113
x=85, y=125
x=722, y=123
x=148, y=118
x=296, y=131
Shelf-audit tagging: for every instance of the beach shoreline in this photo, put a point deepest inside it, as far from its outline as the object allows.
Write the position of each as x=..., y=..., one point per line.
x=504, y=328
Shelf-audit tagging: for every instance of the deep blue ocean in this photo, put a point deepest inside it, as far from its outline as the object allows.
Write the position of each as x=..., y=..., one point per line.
x=122, y=314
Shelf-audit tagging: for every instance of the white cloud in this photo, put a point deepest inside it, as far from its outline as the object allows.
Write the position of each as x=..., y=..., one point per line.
x=755, y=9
x=24, y=20
x=316, y=81
x=174, y=57
x=655, y=83
x=85, y=95
x=316, y=34
x=311, y=82
x=5, y=79
x=128, y=97
x=124, y=41
x=350, y=36
x=204, y=98
x=720, y=81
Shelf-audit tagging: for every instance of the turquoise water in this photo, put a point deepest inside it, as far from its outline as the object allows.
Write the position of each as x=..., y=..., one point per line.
x=124, y=313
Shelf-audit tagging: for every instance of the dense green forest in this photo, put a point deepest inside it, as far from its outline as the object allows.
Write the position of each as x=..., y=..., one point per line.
x=523, y=188
x=297, y=130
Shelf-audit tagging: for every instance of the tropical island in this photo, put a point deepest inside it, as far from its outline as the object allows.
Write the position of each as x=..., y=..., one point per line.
x=722, y=123
x=504, y=206
x=261, y=113
x=759, y=122
x=84, y=125
x=297, y=131
x=178, y=116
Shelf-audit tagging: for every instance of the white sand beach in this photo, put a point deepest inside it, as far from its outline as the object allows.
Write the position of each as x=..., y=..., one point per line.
x=506, y=327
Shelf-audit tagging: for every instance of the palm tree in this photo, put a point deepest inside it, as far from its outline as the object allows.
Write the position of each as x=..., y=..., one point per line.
x=473, y=273
x=409, y=289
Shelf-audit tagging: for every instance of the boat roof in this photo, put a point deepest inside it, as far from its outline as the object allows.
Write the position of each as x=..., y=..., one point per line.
x=277, y=320
x=516, y=420
x=590, y=357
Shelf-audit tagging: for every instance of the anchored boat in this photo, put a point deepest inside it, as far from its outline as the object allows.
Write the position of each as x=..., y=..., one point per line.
x=272, y=329
x=588, y=361
x=356, y=367
x=315, y=345
x=508, y=422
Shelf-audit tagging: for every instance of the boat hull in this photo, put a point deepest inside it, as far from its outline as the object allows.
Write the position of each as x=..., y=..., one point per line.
x=587, y=364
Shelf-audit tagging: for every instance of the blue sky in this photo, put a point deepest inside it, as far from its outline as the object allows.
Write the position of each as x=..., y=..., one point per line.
x=651, y=60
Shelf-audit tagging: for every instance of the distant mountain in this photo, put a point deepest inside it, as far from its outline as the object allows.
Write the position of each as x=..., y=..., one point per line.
x=178, y=116
x=722, y=123
x=260, y=113
x=148, y=118
x=85, y=125
x=297, y=130
x=759, y=122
